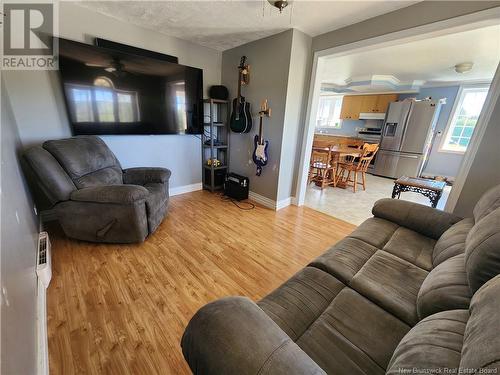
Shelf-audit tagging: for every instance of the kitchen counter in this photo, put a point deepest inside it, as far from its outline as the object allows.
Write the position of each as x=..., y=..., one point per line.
x=329, y=139
x=339, y=136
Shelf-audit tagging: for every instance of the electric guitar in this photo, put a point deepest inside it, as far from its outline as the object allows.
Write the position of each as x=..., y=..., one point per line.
x=241, y=118
x=260, y=156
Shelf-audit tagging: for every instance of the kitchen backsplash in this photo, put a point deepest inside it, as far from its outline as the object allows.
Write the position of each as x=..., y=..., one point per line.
x=351, y=127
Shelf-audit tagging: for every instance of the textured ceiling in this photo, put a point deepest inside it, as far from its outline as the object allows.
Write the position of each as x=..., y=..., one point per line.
x=226, y=24
x=430, y=60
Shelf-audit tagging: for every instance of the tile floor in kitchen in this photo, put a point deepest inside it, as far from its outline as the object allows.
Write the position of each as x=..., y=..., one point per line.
x=356, y=207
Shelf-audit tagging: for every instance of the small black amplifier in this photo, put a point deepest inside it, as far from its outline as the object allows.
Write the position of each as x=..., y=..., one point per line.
x=236, y=186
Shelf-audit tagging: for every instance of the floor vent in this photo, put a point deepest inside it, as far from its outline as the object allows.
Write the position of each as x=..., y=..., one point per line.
x=44, y=266
x=44, y=273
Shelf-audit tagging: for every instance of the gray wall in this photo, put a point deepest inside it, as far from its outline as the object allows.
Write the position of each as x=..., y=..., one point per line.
x=269, y=60
x=485, y=169
x=423, y=13
x=279, y=71
x=40, y=113
x=17, y=256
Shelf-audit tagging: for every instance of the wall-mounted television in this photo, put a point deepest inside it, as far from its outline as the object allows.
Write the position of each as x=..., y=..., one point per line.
x=112, y=92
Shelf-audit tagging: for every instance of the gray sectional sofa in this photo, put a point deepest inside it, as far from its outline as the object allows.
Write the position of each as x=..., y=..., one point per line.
x=93, y=198
x=412, y=290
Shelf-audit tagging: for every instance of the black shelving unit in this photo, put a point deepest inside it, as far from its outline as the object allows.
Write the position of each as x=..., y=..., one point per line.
x=215, y=143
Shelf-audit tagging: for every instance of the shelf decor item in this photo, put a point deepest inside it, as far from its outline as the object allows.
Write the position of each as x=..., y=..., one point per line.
x=215, y=143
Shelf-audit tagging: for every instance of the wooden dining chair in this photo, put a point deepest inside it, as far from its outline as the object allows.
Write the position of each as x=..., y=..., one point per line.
x=321, y=168
x=349, y=158
x=357, y=166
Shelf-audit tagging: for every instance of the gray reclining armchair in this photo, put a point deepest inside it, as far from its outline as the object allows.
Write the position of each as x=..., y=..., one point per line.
x=93, y=198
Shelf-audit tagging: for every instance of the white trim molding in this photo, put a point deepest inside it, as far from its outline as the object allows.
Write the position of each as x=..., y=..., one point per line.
x=454, y=114
x=185, y=189
x=269, y=203
x=484, y=119
x=283, y=203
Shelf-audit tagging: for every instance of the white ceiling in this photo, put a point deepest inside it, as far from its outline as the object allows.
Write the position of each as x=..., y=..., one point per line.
x=430, y=60
x=226, y=24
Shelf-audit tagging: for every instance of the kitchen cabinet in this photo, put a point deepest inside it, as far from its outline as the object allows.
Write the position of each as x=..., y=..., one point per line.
x=353, y=105
x=368, y=103
x=383, y=102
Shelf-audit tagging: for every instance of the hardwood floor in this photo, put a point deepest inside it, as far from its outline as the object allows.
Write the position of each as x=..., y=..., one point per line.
x=122, y=309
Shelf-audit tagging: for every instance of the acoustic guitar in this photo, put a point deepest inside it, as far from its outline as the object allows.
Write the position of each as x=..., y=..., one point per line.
x=241, y=118
x=260, y=155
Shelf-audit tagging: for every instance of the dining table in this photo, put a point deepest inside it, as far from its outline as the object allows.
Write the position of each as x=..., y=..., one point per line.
x=336, y=153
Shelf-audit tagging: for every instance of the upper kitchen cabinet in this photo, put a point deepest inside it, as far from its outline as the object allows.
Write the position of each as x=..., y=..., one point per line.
x=383, y=102
x=368, y=103
x=351, y=107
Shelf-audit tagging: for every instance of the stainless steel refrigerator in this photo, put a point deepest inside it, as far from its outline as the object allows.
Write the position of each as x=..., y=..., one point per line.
x=407, y=138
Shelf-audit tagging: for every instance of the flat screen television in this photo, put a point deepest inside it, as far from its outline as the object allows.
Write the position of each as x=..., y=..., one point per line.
x=111, y=92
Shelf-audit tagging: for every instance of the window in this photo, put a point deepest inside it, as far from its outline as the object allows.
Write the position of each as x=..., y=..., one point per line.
x=463, y=121
x=329, y=112
x=102, y=103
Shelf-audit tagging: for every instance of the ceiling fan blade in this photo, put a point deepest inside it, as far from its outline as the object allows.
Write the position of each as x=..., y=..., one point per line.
x=96, y=65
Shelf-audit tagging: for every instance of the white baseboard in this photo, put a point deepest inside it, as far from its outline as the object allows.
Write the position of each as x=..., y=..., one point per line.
x=266, y=202
x=42, y=337
x=269, y=203
x=185, y=189
x=283, y=203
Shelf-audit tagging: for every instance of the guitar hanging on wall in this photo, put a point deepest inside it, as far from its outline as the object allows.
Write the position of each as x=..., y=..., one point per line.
x=241, y=118
x=260, y=155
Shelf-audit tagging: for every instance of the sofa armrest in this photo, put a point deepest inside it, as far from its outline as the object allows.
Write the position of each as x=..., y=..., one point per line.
x=142, y=176
x=121, y=194
x=425, y=220
x=234, y=336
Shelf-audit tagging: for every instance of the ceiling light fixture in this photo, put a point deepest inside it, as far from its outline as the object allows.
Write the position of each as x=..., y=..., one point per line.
x=280, y=4
x=464, y=67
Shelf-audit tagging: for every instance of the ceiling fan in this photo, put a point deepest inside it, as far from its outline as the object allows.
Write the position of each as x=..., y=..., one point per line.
x=115, y=67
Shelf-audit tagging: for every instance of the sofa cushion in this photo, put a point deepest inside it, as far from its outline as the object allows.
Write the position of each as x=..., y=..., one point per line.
x=432, y=345
x=481, y=347
x=488, y=203
x=51, y=182
x=84, y=155
x=156, y=204
x=422, y=219
x=234, y=336
x=345, y=258
x=102, y=177
x=482, y=250
x=411, y=246
x=353, y=336
x=452, y=242
x=444, y=288
x=296, y=304
x=392, y=283
x=375, y=231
